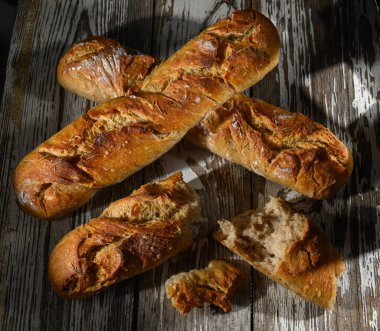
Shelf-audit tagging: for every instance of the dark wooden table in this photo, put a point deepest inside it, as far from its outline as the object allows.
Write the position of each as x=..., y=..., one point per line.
x=329, y=70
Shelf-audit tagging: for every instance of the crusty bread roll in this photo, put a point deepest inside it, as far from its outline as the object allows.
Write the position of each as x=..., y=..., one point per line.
x=131, y=236
x=215, y=284
x=288, y=248
x=101, y=69
x=119, y=137
x=287, y=148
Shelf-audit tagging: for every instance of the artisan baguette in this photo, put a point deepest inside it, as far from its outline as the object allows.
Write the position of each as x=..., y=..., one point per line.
x=214, y=284
x=287, y=148
x=288, y=248
x=119, y=137
x=131, y=236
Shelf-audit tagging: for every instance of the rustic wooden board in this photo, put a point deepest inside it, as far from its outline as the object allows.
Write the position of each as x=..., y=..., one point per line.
x=329, y=70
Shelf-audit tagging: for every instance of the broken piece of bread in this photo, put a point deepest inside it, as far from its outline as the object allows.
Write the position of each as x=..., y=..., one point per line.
x=214, y=284
x=288, y=248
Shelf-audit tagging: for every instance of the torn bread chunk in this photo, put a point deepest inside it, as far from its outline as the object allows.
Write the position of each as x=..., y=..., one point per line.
x=288, y=248
x=214, y=284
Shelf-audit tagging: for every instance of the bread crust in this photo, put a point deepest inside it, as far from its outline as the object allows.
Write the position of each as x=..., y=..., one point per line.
x=288, y=248
x=131, y=236
x=214, y=284
x=287, y=148
x=119, y=137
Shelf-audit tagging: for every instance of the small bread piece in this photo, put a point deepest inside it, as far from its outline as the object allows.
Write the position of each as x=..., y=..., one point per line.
x=131, y=236
x=288, y=248
x=287, y=148
x=119, y=137
x=215, y=284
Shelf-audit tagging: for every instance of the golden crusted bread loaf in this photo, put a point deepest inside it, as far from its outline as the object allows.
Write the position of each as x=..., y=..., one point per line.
x=131, y=236
x=287, y=148
x=119, y=137
x=215, y=284
x=288, y=248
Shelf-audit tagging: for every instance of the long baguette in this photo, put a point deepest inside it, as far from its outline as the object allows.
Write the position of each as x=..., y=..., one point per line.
x=287, y=148
x=119, y=137
x=131, y=236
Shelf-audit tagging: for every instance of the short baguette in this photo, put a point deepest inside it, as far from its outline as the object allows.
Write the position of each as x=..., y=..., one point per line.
x=131, y=236
x=101, y=69
x=287, y=148
x=119, y=137
x=288, y=248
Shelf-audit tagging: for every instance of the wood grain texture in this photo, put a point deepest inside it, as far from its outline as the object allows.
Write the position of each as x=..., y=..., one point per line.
x=329, y=70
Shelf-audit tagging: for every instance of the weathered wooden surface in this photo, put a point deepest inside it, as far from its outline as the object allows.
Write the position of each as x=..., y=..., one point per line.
x=329, y=70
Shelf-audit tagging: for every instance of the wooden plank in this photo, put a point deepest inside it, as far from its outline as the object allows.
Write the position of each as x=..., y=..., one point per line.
x=327, y=50
x=10, y=117
x=39, y=109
